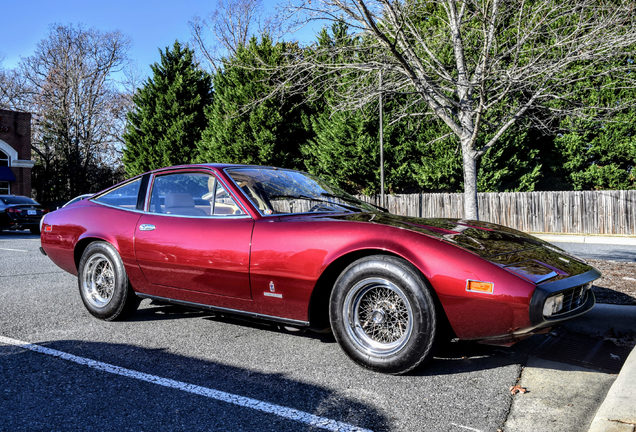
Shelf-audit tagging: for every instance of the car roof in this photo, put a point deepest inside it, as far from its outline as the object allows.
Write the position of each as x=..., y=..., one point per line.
x=218, y=166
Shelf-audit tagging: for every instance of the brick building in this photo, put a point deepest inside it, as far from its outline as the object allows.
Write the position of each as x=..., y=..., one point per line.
x=15, y=153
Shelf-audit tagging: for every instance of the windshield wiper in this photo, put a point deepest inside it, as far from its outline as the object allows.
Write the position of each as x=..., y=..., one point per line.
x=310, y=198
x=355, y=201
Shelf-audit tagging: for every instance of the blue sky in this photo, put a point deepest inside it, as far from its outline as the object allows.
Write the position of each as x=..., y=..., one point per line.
x=149, y=25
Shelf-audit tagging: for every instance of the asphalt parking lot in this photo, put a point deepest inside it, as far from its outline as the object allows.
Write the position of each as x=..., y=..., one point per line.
x=171, y=368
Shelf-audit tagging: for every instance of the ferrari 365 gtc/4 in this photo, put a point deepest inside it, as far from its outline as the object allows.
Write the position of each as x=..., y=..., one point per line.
x=283, y=245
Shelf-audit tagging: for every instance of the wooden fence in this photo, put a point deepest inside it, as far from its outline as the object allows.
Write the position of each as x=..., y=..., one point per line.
x=575, y=212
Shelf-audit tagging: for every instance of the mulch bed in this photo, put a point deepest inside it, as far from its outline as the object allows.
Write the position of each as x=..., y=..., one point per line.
x=618, y=283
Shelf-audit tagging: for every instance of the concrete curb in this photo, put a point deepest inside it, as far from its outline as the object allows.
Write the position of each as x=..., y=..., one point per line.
x=591, y=239
x=617, y=413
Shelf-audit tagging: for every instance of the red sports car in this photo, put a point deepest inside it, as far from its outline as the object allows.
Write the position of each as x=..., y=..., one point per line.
x=283, y=245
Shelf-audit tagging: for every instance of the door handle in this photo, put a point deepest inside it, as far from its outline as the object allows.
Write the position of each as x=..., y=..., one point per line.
x=146, y=227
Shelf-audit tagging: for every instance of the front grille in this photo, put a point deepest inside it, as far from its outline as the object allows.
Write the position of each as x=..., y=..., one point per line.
x=573, y=298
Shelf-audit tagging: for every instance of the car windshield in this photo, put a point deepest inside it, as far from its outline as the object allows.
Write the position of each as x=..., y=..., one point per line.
x=281, y=191
x=18, y=200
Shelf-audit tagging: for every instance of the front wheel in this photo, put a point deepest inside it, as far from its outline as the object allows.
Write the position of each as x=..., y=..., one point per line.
x=103, y=283
x=383, y=315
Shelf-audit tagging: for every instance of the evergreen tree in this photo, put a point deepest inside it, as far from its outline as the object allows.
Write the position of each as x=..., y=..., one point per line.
x=239, y=130
x=169, y=113
x=600, y=154
x=345, y=144
x=433, y=163
x=345, y=150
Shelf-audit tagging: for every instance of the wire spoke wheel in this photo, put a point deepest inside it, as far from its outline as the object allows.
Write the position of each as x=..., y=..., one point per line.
x=103, y=283
x=383, y=315
x=98, y=280
x=378, y=316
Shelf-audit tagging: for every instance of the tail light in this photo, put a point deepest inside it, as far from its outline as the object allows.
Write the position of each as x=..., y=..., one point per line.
x=12, y=210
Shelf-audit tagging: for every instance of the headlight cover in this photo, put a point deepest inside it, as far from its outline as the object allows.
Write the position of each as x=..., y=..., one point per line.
x=553, y=305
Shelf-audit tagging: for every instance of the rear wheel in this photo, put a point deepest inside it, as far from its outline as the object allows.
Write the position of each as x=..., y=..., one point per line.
x=103, y=283
x=383, y=315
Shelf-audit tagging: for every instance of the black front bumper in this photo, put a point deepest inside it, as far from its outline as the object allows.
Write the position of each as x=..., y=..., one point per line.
x=538, y=321
x=570, y=287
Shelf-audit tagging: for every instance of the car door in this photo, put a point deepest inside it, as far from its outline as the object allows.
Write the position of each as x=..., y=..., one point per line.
x=194, y=236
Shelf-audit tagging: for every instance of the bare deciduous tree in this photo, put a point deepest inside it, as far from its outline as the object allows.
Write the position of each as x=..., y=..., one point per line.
x=478, y=65
x=231, y=25
x=69, y=89
x=11, y=89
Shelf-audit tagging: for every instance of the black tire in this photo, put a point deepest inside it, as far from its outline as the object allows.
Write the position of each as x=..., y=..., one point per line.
x=383, y=314
x=103, y=283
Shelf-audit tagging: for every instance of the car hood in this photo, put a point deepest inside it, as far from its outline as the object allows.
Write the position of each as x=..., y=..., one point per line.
x=518, y=252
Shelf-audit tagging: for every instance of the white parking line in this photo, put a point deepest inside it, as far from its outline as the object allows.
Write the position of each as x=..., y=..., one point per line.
x=466, y=427
x=14, y=250
x=242, y=401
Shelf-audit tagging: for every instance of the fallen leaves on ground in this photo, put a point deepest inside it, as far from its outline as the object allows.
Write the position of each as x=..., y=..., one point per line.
x=518, y=389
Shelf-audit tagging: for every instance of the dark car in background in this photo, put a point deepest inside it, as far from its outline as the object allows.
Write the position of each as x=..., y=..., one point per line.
x=20, y=212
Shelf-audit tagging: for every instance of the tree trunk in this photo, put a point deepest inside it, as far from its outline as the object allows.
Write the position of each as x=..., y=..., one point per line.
x=469, y=156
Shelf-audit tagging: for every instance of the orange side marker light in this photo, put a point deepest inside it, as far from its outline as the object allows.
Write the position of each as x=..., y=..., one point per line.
x=480, y=286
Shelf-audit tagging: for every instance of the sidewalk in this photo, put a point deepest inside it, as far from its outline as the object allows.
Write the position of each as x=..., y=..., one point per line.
x=617, y=413
x=623, y=240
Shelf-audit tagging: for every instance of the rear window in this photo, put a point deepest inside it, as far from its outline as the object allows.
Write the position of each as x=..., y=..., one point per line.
x=124, y=196
x=18, y=200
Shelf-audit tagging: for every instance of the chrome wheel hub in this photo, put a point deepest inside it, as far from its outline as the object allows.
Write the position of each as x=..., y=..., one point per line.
x=98, y=280
x=379, y=317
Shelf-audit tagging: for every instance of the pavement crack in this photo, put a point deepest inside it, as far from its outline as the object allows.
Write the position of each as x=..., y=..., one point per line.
x=623, y=422
x=511, y=398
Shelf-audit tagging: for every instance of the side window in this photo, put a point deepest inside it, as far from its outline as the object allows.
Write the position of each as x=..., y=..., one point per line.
x=223, y=203
x=5, y=189
x=4, y=159
x=190, y=194
x=124, y=196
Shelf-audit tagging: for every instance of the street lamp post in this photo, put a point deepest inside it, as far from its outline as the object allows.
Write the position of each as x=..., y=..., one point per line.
x=381, y=146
